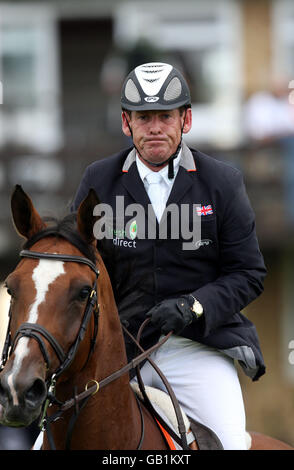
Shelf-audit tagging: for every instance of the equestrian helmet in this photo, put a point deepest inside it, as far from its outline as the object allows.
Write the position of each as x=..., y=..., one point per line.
x=155, y=86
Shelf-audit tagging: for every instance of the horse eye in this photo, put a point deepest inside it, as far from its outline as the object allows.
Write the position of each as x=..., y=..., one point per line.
x=84, y=293
x=9, y=292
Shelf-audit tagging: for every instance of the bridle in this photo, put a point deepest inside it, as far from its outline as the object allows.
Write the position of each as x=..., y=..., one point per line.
x=38, y=332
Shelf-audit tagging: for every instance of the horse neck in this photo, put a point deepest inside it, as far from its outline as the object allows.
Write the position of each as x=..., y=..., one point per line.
x=111, y=419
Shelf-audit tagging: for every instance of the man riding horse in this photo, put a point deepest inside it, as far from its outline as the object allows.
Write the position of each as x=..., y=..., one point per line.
x=199, y=292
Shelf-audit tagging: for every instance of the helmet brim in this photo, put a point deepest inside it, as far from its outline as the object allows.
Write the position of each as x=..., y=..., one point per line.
x=154, y=106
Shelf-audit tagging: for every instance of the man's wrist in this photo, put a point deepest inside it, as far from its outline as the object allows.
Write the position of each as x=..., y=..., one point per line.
x=195, y=306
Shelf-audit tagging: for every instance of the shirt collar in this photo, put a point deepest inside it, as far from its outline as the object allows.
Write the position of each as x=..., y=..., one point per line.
x=144, y=170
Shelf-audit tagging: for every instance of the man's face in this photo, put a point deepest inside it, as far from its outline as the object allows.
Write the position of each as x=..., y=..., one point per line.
x=156, y=134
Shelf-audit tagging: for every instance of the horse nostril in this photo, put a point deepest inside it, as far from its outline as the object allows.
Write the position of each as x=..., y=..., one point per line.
x=36, y=393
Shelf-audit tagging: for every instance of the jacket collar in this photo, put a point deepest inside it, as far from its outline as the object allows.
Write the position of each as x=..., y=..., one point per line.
x=184, y=180
x=186, y=161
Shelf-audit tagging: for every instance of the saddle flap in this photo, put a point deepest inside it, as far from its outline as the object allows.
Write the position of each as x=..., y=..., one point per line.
x=205, y=437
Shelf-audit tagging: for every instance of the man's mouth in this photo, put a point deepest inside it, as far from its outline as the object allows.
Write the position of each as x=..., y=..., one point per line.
x=155, y=140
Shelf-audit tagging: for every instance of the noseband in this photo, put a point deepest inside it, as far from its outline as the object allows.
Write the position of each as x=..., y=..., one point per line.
x=38, y=332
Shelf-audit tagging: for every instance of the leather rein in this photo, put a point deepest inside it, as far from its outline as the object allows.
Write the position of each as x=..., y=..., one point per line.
x=78, y=402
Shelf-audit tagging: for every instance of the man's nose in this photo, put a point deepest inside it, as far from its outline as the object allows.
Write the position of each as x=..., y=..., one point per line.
x=155, y=125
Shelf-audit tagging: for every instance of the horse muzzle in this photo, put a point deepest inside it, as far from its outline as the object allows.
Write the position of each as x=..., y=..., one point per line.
x=20, y=400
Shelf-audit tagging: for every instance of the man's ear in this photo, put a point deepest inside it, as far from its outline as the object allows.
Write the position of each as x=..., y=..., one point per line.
x=125, y=119
x=188, y=121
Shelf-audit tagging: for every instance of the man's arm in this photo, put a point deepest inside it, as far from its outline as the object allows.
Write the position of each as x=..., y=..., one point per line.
x=242, y=272
x=242, y=269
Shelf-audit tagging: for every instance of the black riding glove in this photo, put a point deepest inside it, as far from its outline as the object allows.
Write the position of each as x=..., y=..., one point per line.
x=172, y=314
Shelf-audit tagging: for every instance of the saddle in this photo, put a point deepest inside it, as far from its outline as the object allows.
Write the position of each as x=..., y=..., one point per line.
x=161, y=402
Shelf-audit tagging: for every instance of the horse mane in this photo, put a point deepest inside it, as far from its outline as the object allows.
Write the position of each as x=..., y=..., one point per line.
x=63, y=228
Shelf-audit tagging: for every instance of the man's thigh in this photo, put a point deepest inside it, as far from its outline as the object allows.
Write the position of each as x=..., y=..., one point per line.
x=206, y=384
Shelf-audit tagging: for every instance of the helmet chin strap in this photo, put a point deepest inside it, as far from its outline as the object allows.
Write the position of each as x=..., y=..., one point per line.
x=169, y=160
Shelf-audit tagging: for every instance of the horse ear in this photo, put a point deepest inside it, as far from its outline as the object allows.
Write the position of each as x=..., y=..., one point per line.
x=85, y=217
x=25, y=217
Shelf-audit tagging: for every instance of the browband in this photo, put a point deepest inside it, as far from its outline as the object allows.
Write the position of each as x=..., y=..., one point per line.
x=60, y=257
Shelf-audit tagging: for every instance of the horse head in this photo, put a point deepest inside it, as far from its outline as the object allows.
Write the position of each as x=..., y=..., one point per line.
x=52, y=289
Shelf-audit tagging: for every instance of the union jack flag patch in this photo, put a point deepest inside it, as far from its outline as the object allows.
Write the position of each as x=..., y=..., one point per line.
x=204, y=210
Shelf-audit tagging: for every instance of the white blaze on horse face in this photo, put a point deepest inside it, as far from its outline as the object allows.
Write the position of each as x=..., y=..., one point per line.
x=46, y=272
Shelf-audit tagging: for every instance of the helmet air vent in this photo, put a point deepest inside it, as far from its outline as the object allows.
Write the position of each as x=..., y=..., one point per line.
x=173, y=90
x=131, y=92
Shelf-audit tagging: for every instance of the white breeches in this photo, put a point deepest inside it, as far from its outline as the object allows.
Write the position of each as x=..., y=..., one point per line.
x=206, y=384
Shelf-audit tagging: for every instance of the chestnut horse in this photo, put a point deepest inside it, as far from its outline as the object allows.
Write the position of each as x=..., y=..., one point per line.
x=65, y=345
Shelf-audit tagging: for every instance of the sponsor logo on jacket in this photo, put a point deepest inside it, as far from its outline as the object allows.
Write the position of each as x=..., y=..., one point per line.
x=174, y=224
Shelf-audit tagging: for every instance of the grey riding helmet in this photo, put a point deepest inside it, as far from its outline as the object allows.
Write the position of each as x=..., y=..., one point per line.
x=155, y=86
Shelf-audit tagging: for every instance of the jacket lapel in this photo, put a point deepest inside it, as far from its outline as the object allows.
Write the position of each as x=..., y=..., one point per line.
x=134, y=185
x=183, y=182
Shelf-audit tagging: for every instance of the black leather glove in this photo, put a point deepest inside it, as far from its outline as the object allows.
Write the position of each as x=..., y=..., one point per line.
x=172, y=314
